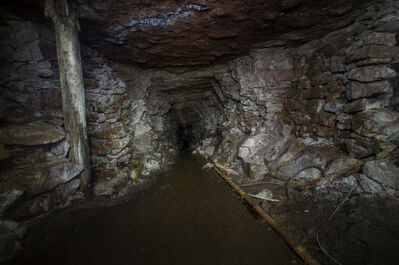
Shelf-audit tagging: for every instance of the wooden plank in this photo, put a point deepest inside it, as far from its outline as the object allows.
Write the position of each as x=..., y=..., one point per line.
x=71, y=78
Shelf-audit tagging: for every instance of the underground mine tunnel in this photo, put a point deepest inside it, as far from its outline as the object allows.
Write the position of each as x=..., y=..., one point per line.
x=199, y=132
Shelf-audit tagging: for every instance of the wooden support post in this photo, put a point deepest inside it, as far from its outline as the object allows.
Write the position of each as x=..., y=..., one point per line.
x=71, y=78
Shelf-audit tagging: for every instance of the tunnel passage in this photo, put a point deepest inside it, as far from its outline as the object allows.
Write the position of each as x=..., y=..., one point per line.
x=186, y=122
x=191, y=120
x=300, y=91
x=194, y=106
x=185, y=137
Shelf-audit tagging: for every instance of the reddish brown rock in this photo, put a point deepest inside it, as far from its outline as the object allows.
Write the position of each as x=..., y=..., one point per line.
x=314, y=92
x=335, y=89
x=47, y=99
x=343, y=166
x=373, y=122
x=155, y=34
x=299, y=158
x=365, y=104
x=359, y=148
x=336, y=64
x=356, y=90
x=371, y=73
x=375, y=51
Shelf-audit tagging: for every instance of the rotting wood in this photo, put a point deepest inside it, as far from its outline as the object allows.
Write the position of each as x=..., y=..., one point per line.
x=71, y=79
x=140, y=167
x=260, y=183
x=301, y=251
x=261, y=198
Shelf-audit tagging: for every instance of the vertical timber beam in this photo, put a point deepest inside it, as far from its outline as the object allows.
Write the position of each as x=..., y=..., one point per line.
x=71, y=78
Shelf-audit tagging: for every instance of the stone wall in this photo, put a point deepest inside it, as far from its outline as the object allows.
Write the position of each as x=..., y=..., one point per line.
x=152, y=135
x=318, y=112
x=252, y=91
x=348, y=94
x=35, y=173
x=128, y=128
x=129, y=131
x=109, y=123
x=35, y=168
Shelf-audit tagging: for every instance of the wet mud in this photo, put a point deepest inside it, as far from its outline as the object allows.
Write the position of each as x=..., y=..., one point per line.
x=186, y=216
x=364, y=230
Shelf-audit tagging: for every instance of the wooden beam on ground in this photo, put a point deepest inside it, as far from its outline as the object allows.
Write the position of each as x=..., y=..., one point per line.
x=302, y=252
x=66, y=27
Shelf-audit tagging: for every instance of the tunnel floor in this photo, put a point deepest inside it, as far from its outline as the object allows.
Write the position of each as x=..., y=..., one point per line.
x=187, y=216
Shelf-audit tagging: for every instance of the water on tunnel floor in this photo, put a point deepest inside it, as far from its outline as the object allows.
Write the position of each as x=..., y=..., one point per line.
x=188, y=216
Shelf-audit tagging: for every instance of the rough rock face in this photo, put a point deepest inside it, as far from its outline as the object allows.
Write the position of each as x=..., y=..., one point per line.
x=301, y=111
x=155, y=34
x=30, y=123
x=36, y=175
x=130, y=136
x=32, y=137
x=287, y=111
x=108, y=115
x=384, y=172
x=302, y=92
x=31, y=134
x=41, y=179
x=10, y=233
x=129, y=133
x=190, y=33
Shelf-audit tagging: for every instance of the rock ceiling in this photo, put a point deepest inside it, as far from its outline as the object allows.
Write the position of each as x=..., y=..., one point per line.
x=202, y=32
x=168, y=33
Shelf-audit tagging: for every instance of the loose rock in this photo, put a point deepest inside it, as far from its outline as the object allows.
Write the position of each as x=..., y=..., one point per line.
x=371, y=73
x=384, y=172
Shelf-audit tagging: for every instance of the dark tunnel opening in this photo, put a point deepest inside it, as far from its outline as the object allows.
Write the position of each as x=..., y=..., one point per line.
x=185, y=136
x=188, y=123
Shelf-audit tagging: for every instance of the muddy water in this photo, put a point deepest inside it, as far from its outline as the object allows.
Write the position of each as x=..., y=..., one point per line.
x=188, y=216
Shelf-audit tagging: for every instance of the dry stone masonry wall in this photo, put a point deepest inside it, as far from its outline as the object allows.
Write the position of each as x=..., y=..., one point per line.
x=108, y=116
x=153, y=148
x=316, y=113
x=36, y=174
x=128, y=130
x=36, y=171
